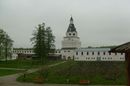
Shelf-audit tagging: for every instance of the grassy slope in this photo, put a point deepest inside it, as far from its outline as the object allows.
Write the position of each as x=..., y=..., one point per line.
x=23, y=63
x=4, y=72
x=96, y=72
x=20, y=64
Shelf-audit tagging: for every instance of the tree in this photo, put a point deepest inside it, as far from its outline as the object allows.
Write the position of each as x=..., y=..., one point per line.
x=6, y=44
x=50, y=40
x=42, y=41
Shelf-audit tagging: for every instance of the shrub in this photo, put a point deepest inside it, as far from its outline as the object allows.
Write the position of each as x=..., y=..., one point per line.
x=39, y=79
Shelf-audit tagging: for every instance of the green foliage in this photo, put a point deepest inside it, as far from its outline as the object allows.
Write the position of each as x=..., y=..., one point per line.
x=50, y=40
x=43, y=41
x=5, y=45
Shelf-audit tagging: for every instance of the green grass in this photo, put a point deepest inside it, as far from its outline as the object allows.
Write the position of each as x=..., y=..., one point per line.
x=4, y=72
x=24, y=64
x=96, y=72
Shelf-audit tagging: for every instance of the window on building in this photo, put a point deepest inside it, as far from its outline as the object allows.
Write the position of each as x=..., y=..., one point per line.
x=109, y=53
x=76, y=53
x=70, y=34
x=115, y=53
x=104, y=53
x=68, y=51
x=121, y=53
x=98, y=53
x=92, y=53
x=81, y=53
x=87, y=53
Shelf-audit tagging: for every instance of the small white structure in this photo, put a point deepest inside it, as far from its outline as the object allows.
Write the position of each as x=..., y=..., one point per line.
x=97, y=54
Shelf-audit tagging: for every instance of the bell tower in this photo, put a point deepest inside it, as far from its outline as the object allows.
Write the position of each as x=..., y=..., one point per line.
x=71, y=41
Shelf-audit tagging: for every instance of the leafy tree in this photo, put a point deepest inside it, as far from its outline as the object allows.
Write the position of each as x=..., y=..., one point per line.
x=6, y=44
x=42, y=41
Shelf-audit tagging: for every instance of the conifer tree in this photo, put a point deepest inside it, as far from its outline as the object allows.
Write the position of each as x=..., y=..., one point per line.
x=42, y=41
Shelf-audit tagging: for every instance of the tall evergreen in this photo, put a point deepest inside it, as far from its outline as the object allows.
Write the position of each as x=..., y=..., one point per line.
x=42, y=41
x=50, y=40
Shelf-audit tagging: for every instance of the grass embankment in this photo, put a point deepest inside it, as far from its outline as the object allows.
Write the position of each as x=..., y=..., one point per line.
x=20, y=64
x=23, y=64
x=4, y=72
x=72, y=72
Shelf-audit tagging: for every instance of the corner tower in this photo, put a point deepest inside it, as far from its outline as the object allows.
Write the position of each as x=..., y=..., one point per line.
x=71, y=41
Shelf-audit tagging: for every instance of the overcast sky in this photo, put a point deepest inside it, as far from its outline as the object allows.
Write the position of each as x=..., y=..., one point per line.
x=98, y=22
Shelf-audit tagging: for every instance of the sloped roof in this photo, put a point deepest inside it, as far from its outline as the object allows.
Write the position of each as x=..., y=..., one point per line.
x=122, y=48
x=93, y=49
x=71, y=28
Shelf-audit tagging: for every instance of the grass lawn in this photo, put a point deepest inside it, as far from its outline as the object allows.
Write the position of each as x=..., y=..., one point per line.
x=72, y=72
x=24, y=64
x=4, y=72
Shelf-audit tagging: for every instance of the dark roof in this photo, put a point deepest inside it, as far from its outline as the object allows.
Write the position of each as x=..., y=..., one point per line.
x=69, y=48
x=71, y=19
x=71, y=28
x=22, y=48
x=124, y=48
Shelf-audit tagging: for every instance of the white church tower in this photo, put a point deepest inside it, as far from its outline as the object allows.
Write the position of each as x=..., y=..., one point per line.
x=70, y=42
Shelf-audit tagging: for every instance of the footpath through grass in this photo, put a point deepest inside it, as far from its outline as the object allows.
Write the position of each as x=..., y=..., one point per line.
x=71, y=72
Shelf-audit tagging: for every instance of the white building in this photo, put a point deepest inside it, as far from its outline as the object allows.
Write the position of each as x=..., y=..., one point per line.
x=27, y=52
x=97, y=54
x=70, y=42
x=71, y=49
